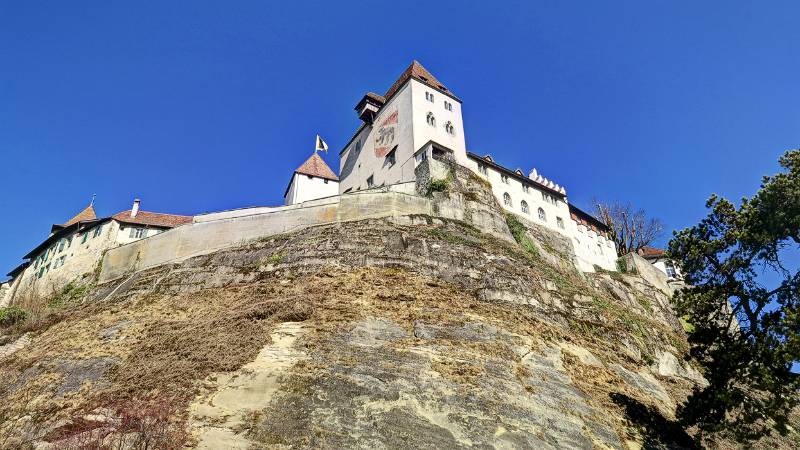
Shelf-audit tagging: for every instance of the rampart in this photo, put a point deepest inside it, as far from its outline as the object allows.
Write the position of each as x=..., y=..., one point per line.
x=211, y=232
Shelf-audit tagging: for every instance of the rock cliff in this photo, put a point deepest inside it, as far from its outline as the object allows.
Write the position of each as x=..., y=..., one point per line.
x=403, y=332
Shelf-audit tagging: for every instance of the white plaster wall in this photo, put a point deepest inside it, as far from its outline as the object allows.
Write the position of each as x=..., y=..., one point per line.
x=533, y=197
x=585, y=241
x=356, y=166
x=661, y=264
x=423, y=132
x=124, y=232
x=305, y=188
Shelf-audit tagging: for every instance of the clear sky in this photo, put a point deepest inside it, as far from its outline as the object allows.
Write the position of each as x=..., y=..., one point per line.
x=200, y=106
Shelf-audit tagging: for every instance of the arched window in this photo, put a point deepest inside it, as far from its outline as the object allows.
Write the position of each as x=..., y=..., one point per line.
x=542, y=215
x=525, y=207
x=431, y=120
x=507, y=199
x=448, y=127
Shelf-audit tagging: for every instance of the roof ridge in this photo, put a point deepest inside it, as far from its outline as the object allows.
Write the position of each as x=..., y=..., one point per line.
x=315, y=166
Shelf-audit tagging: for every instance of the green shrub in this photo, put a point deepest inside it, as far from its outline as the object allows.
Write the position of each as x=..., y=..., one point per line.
x=69, y=294
x=12, y=315
x=520, y=233
x=442, y=185
x=622, y=265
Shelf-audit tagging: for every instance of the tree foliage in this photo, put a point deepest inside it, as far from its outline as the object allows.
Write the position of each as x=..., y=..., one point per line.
x=744, y=303
x=631, y=228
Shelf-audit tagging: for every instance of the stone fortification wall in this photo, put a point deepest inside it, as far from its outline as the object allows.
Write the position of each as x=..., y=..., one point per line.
x=215, y=231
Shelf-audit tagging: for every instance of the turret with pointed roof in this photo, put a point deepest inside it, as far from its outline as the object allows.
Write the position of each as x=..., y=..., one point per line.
x=88, y=213
x=312, y=180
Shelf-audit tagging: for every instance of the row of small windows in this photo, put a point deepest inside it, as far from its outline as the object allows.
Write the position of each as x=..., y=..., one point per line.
x=526, y=209
x=547, y=198
x=448, y=127
x=429, y=97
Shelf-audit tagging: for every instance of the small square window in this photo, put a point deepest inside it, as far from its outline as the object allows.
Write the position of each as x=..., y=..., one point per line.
x=325, y=180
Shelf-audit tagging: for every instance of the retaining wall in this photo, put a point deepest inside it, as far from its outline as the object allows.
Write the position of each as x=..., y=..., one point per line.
x=211, y=232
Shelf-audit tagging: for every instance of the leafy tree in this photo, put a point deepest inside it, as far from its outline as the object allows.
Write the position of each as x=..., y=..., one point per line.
x=631, y=229
x=744, y=303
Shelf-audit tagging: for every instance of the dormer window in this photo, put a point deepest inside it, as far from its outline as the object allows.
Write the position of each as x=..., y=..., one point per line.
x=431, y=119
x=448, y=127
x=429, y=96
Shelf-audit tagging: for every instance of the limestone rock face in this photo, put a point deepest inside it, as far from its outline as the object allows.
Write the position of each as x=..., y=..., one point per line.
x=404, y=332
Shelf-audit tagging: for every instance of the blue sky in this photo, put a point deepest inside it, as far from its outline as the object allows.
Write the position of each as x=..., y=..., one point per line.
x=200, y=106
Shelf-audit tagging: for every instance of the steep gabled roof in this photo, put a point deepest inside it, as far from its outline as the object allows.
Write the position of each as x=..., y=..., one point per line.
x=421, y=74
x=315, y=166
x=651, y=252
x=87, y=214
x=152, y=219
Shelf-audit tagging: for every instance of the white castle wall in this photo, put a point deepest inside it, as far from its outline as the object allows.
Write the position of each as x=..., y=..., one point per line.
x=305, y=187
x=359, y=161
x=425, y=132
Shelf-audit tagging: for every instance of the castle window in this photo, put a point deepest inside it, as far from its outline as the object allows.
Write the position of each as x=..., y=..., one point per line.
x=325, y=180
x=482, y=169
x=370, y=182
x=525, y=188
x=391, y=157
x=428, y=96
x=448, y=127
x=85, y=237
x=97, y=231
x=560, y=222
x=525, y=207
x=137, y=233
x=507, y=199
x=448, y=106
x=542, y=215
x=504, y=178
x=670, y=266
x=61, y=245
x=431, y=120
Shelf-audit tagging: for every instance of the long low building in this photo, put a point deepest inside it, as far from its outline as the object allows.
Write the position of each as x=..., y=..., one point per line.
x=74, y=249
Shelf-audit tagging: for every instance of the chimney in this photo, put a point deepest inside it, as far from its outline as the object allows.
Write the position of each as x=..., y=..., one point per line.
x=135, y=208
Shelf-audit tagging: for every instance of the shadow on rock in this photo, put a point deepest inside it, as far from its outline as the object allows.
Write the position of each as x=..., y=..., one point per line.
x=657, y=431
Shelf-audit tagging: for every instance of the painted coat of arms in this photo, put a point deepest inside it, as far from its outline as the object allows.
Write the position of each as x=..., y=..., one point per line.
x=385, y=135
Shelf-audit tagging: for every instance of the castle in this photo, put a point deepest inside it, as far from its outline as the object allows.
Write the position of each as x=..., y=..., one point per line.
x=416, y=121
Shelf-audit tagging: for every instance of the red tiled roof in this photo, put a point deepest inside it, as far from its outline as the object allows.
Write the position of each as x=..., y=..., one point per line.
x=651, y=252
x=152, y=219
x=316, y=167
x=87, y=214
x=419, y=73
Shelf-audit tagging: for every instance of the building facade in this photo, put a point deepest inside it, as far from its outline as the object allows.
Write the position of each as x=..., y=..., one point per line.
x=312, y=180
x=395, y=126
x=657, y=257
x=74, y=249
x=418, y=115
